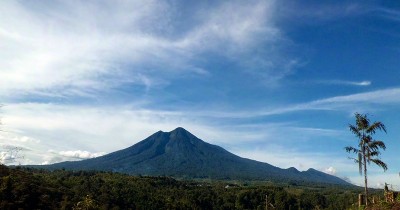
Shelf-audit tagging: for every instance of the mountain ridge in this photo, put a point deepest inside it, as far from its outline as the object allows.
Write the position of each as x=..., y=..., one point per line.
x=181, y=154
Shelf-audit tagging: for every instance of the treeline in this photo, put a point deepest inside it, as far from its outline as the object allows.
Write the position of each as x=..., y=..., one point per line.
x=40, y=189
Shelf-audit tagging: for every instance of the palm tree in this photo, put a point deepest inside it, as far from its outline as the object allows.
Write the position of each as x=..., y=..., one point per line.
x=368, y=148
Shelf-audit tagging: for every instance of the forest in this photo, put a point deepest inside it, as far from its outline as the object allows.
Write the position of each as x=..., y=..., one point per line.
x=27, y=188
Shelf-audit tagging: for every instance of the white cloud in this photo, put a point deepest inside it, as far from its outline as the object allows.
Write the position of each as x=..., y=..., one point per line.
x=53, y=50
x=54, y=125
x=52, y=156
x=344, y=82
x=363, y=83
x=235, y=25
x=80, y=154
x=6, y=158
x=330, y=170
x=375, y=97
x=11, y=154
x=347, y=103
x=380, y=185
x=77, y=48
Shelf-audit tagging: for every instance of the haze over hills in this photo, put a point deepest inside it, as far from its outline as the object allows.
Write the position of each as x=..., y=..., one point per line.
x=180, y=154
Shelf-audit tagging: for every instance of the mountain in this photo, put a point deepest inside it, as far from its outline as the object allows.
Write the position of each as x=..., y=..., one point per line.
x=181, y=154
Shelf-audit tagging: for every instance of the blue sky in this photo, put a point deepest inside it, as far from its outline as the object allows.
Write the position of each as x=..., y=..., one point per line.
x=275, y=81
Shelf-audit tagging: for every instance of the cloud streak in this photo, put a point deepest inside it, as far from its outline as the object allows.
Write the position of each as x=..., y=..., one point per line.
x=86, y=47
x=362, y=101
x=343, y=82
x=388, y=13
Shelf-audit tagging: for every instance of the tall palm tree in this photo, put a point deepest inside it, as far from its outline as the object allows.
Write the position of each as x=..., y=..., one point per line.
x=368, y=148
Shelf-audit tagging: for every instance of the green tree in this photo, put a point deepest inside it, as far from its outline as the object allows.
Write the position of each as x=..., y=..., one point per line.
x=368, y=148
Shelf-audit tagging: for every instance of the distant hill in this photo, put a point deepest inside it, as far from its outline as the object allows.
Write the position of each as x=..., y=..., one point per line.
x=180, y=154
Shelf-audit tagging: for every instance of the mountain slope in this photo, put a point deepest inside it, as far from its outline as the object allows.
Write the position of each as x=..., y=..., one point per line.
x=181, y=154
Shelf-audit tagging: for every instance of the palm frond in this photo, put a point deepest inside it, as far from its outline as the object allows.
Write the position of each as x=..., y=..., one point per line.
x=376, y=126
x=354, y=130
x=375, y=145
x=350, y=149
x=355, y=160
x=374, y=154
x=380, y=163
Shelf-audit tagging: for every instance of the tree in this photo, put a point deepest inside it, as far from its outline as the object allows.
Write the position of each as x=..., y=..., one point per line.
x=368, y=148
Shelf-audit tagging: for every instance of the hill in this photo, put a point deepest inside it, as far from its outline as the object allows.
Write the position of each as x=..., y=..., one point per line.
x=180, y=154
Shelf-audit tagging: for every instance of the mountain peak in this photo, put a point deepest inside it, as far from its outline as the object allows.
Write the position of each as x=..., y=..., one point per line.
x=178, y=130
x=312, y=170
x=293, y=169
x=180, y=133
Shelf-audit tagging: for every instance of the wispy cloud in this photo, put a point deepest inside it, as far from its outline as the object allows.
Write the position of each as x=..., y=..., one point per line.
x=381, y=97
x=365, y=100
x=322, y=11
x=388, y=13
x=344, y=82
x=360, y=101
x=79, y=48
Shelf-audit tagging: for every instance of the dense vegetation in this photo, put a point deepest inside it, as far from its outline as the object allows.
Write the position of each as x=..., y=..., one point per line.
x=60, y=189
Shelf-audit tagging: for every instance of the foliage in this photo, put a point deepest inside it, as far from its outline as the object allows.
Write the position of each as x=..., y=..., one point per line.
x=40, y=189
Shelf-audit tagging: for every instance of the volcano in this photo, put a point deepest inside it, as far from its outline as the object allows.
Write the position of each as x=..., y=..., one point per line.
x=180, y=154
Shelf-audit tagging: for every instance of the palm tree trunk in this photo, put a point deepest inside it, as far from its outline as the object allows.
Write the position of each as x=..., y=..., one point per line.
x=365, y=179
